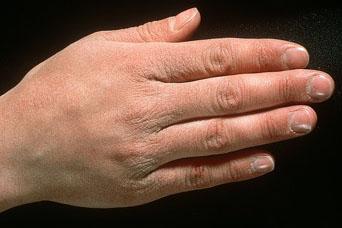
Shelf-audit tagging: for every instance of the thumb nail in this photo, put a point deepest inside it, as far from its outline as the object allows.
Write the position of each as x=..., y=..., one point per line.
x=183, y=18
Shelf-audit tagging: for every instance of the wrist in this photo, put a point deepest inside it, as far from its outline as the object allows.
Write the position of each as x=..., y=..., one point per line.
x=14, y=187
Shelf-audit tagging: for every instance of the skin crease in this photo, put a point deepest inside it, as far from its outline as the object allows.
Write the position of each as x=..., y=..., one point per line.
x=121, y=118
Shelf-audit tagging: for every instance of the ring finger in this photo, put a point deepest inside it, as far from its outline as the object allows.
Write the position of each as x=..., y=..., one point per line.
x=221, y=135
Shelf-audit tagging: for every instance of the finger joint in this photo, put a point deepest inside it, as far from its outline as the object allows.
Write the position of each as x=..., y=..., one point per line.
x=198, y=176
x=218, y=59
x=234, y=171
x=271, y=130
x=229, y=96
x=263, y=56
x=216, y=138
x=146, y=32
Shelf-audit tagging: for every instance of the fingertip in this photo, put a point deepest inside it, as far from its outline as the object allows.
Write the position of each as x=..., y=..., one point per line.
x=320, y=87
x=302, y=120
x=295, y=56
x=184, y=18
x=262, y=164
x=312, y=115
x=197, y=18
x=196, y=21
x=184, y=24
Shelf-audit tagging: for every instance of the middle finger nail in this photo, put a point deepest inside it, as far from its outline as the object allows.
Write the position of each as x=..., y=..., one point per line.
x=319, y=87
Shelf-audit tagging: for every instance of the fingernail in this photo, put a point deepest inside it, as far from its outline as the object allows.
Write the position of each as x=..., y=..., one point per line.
x=299, y=121
x=319, y=87
x=183, y=18
x=296, y=57
x=262, y=164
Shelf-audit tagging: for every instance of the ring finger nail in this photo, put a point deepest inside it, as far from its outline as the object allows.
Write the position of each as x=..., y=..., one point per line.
x=262, y=164
x=299, y=121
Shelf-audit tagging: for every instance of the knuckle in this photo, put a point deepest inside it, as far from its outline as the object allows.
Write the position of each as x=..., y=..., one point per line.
x=96, y=34
x=216, y=138
x=285, y=88
x=147, y=32
x=133, y=190
x=139, y=120
x=229, y=96
x=138, y=159
x=134, y=116
x=155, y=64
x=262, y=60
x=234, y=172
x=218, y=59
x=270, y=129
x=100, y=35
x=198, y=176
x=142, y=167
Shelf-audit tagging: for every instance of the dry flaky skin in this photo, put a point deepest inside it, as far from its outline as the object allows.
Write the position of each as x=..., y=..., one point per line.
x=121, y=118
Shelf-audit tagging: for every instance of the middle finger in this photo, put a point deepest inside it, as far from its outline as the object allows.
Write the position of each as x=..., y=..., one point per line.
x=237, y=94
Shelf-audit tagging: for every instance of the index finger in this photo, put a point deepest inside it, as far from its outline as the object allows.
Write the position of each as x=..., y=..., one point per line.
x=189, y=61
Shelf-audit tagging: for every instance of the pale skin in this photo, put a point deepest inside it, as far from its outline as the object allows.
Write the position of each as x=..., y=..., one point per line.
x=122, y=118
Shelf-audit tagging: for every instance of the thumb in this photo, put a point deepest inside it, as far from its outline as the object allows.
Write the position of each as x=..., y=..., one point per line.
x=171, y=29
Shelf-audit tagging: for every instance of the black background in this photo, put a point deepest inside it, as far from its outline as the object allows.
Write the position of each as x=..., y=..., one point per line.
x=302, y=191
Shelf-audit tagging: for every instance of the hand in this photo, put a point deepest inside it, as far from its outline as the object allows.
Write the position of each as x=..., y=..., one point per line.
x=114, y=120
